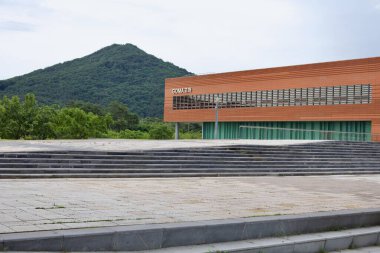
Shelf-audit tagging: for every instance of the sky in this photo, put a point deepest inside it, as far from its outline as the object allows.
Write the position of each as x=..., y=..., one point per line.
x=202, y=36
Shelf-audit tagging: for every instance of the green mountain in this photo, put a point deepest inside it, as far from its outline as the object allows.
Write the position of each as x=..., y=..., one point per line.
x=123, y=73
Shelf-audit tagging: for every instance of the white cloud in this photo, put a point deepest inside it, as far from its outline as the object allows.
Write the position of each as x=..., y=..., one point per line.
x=376, y=4
x=15, y=26
x=202, y=36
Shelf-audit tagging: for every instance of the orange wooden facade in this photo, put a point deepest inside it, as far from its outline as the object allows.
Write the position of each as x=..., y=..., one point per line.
x=361, y=71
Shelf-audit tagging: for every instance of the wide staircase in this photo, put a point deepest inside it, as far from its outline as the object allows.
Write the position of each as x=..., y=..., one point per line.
x=322, y=158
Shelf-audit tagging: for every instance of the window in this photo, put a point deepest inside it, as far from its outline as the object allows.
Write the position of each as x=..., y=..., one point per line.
x=329, y=95
x=350, y=94
x=275, y=98
x=336, y=95
x=244, y=99
x=298, y=97
x=254, y=99
x=323, y=96
x=332, y=95
x=280, y=100
x=286, y=97
x=264, y=98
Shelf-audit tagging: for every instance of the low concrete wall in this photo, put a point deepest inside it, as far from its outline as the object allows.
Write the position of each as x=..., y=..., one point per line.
x=145, y=237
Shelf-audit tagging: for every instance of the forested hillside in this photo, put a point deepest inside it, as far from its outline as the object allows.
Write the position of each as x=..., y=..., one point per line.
x=122, y=73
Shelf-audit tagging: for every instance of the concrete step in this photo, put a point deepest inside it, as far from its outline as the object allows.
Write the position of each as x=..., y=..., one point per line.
x=306, y=233
x=278, y=156
x=180, y=174
x=217, y=160
x=192, y=165
x=211, y=151
x=274, y=157
x=366, y=146
x=142, y=159
x=181, y=170
x=374, y=249
x=195, y=168
x=328, y=158
x=306, y=243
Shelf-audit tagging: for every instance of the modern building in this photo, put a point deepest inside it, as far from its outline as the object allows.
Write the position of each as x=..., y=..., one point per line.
x=332, y=100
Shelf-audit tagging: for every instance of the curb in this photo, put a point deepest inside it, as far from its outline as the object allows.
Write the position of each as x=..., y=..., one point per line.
x=156, y=236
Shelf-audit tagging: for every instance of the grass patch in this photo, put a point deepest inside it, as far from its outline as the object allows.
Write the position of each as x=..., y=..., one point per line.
x=52, y=207
x=85, y=221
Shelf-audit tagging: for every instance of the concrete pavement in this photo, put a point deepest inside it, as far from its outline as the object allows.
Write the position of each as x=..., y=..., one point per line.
x=126, y=145
x=31, y=205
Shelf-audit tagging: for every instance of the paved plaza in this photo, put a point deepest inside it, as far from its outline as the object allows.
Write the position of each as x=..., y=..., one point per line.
x=126, y=145
x=29, y=205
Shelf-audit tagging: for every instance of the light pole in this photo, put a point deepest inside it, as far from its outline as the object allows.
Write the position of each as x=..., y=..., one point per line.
x=217, y=100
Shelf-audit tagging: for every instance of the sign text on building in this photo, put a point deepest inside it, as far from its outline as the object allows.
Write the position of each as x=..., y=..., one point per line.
x=181, y=90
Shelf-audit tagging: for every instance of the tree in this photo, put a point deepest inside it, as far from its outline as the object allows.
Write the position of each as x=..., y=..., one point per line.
x=2, y=120
x=87, y=107
x=29, y=111
x=18, y=118
x=74, y=123
x=98, y=125
x=44, y=127
x=12, y=118
x=122, y=118
x=70, y=123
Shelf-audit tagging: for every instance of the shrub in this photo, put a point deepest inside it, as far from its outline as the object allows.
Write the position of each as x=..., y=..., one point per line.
x=133, y=134
x=161, y=132
x=191, y=135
